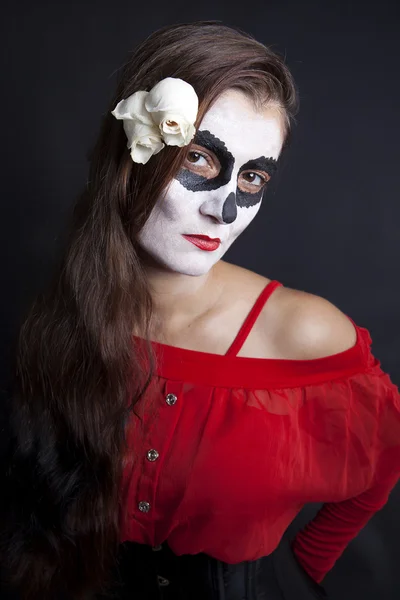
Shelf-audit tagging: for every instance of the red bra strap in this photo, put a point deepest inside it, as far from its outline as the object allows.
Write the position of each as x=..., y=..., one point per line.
x=252, y=317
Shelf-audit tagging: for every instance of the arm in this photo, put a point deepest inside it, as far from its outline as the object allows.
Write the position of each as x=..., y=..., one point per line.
x=323, y=540
x=316, y=328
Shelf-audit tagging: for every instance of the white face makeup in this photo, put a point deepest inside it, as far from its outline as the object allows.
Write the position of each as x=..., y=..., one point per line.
x=219, y=189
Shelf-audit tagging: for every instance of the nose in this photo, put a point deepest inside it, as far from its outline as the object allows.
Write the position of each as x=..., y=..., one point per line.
x=229, y=209
x=221, y=206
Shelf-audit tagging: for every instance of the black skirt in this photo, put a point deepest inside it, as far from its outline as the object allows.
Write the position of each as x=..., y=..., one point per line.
x=146, y=573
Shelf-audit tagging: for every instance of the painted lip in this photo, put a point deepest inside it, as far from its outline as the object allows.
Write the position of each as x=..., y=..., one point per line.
x=203, y=241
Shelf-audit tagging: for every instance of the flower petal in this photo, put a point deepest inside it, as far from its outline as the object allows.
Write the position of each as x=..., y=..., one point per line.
x=141, y=154
x=143, y=140
x=174, y=139
x=172, y=123
x=135, y=130
x=133, y=107
x=173, y=95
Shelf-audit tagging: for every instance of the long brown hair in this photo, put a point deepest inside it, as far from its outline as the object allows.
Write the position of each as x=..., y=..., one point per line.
x=77, y=377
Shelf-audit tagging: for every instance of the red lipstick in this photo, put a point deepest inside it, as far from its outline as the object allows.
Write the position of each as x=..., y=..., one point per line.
x=203, y=241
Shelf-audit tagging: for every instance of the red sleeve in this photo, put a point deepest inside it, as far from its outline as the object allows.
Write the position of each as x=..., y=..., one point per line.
x=322, y=541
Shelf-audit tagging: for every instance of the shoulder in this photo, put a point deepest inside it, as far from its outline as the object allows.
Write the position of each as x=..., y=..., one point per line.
x=307, y=326
x=293, y=324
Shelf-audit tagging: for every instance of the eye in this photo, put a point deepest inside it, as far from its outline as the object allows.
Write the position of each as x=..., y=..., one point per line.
x=202, y=163
x=252, y=182
x=254, y=178
x=195, y=158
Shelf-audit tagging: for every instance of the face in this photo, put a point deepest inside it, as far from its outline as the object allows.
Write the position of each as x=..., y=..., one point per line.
x=219, y=189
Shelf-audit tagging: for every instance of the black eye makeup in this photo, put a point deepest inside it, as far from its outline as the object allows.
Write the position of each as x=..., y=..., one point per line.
x=245, y=195
x=195, y=181
x=202, y=163
x=206, y=171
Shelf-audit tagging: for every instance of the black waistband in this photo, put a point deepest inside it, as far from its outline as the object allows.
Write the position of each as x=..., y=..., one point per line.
x=147, y=573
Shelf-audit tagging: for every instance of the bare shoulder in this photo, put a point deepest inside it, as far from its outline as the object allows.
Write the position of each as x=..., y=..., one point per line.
x=293, y=324
x=307, y=326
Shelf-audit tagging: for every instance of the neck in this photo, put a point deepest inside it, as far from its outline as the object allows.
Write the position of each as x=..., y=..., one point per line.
x=178, y=299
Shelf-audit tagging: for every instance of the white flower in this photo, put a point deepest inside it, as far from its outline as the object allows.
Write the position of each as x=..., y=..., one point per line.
x=143, y=135
x=165, y=114
x=173, y=105
x=143, y=140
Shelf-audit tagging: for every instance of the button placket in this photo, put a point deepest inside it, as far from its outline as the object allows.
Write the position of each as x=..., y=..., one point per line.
x=147, y=488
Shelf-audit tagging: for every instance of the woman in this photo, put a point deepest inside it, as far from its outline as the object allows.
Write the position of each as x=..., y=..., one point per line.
x=173, y=410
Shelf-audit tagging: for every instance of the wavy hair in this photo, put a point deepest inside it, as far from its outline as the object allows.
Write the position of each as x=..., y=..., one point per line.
x=76, y=375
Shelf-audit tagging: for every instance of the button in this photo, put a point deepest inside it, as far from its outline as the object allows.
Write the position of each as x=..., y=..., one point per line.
x=162, y=581
x=152, y=455
x=171, y=399
x=144, y=506
x=156, y=548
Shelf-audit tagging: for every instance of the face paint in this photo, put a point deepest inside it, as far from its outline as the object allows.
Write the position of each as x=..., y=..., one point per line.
x=261, y=163
x=196, y=182
x=235, y=151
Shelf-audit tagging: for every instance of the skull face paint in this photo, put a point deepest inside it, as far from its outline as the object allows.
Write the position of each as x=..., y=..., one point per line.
x=219, y=189
x=195, y=182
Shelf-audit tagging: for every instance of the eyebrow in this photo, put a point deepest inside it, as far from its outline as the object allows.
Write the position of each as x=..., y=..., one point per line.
x=262, y=164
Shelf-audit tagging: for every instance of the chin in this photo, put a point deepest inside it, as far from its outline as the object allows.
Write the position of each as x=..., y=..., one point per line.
x=194, y=268
x=197, y=272
x=193, y=264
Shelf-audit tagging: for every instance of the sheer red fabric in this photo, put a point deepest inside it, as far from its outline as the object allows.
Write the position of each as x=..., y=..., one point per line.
x=225, y=451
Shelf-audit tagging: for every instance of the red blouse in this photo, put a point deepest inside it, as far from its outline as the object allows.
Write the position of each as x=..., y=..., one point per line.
x=226, y=450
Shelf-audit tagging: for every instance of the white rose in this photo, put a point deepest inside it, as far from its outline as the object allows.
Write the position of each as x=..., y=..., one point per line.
x=166, y=113
x=144, y=137
x=173, y=105
x=143, y=140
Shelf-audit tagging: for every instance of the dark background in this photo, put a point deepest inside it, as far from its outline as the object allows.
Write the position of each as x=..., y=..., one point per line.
x=330, y=224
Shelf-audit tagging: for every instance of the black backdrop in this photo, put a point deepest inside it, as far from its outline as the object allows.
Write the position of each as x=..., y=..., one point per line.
x=330, y=224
